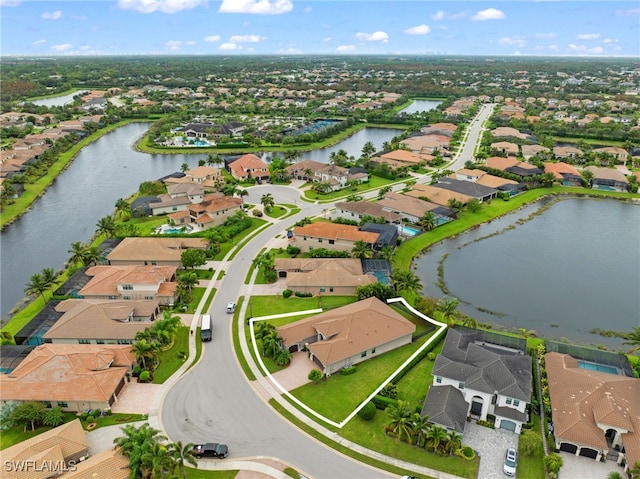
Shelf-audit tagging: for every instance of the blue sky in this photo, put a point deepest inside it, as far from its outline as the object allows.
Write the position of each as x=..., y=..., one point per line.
x=237, y=27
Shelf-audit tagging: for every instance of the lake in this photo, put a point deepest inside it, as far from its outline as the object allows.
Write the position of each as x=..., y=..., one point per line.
x=572, y=268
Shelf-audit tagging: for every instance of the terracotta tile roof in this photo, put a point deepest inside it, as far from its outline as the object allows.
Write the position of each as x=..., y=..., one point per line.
x=407, y=204
x=328, y=272
x=439, y=196
x=506, y=132
x=106, y=279
x=246, y=162
x=494, y=181
x=581, y=398
x=335, y=231
x=350, y=329
x=107, y=320
x=558, y=168
x=108, y=464
x=404, y=156
x=367, y=208
x=607, y=174
x=68, y=372
x=500, y=163
x=63, y=443
x=154, y=249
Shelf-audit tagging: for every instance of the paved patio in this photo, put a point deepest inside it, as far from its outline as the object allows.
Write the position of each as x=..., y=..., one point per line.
x=585, y=468
x=491, y=445
x=135, y=398
x=295, y=375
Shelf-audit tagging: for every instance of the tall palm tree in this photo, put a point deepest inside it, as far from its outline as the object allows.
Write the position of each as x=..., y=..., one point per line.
x=136, y=442
x=92, y=254
x=421, y=426
x=77, y=253
x=184, y=167
x=447, y=307
x=407, y=281
x=401, y=420
x=49, y=277
x=145, y=351
x=36, y=285
x=182, y=454
x=453, y=442
x=123, y=208
x=106, y=226
x=157, y=462
x=361, y=250
x=188, y=280
x=267, y=201
x=386, y=252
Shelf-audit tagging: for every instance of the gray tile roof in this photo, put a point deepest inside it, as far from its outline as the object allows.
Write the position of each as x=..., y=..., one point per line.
x=484, y=370
x=446, y=406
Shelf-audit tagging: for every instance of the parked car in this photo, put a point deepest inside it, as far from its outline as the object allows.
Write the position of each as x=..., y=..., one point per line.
x=510, y=462
x=231, y=307
x=211, y=449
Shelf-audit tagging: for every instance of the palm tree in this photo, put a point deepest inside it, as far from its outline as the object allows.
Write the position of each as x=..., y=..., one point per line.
x=447, y=307
x=361, y=250
x=146, y=351
x=453, y=442
x=36, y=285
x=407, y=281
x=184, y=167
x=157, y=461
x=267, y=201
x=633, y=339
x=587, y=176
x=401, y=420
x=136, y=442
x=421, y=426
x=106, y=226
x=123, y=209
x=383, y=191
x=182, y=454
x=77, y=251
x=428, y=221
x=188, y=280
x=635, y=470
x=436, y=437
x=271, y=343
x=92, y=254
x=49, y=277
x=386, y=252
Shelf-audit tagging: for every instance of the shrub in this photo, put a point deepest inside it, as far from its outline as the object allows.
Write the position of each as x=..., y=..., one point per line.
x=347, y=371
x=293, y=250
x=466, y=452
x=257, y=213
x=368, y=411
x=145, y=376
x=315, y=375
x=389, y=391
x=287, y=293
x=382, y=402
x=300, y=294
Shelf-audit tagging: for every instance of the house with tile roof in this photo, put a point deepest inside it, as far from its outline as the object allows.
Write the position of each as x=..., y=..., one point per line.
x=323, y=276
x=108, y=464
x=406, y=157
x=563, y=172
x=493, y=379
x=153, y=251
x=567, y=152
x=468, y=188
x=210, y=178
x=304, y=169
x=483, y=178
x=332, y=236
x=506, y=148
x=131, y=282
x=49, y=453
x=438, y=196
x=412, y=208
x=595, y=414
x=427, y=144
x=619, y=154
x=346, y=336
x=248, y=167
x=446, y=407
x=101, y=322
x=214, y=210
x=74, y=377
x=358, y=210
x=608, y=179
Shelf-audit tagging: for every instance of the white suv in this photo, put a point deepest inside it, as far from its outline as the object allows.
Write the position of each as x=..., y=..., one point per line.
x=231, y=307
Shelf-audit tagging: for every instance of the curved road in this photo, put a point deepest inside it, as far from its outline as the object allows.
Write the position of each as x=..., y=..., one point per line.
x=216, y=402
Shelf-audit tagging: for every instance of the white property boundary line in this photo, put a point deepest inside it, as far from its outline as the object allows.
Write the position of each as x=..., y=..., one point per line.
x=440, y=327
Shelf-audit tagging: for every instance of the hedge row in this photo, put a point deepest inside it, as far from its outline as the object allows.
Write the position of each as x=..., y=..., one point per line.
x=420, y=356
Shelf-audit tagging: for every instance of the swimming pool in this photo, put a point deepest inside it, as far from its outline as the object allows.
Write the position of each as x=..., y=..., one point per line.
x=597, y=367
x=382, y=277
x=408, y=230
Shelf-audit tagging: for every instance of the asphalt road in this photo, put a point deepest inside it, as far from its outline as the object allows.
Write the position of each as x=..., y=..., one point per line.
x=215, y=402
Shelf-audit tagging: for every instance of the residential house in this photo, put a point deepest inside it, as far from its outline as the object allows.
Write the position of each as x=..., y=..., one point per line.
x=197, y=130
x=618, y=154
x=508, y=132
x=349, y=335
x=330, y=236
x=338, y=177
x=359, y=210
x=387, y=234
x=506, y=148
x=178, y=198
x=101, y=322
x=447, y=407
x=511, y=165
x=529, y=151
x=153, y=251
x=405, y=157
x=608, y=179
x=446, y=129
x=566, y=174
x=467, y=188
x=48, y=454
x=214, y=210
x=131, y=282
x=413, y=209
x=74, y=377
x=427, y=144
x=248, y=167
x=304, y=170
x=438, y=196
x=594, y=413
x=493, y=379
x=210, y=178
x=483, y=178
x=108, y=464
x=323, y=276
x=567, y=152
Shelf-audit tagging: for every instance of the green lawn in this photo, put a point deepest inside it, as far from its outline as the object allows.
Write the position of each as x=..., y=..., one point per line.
x=256, y=223
x=268, y=305
x=414, y=385
x=532, y=467
x=276, y=212
x=375, y=182
x=336, y=397
x=169, y=360
x=202, y=474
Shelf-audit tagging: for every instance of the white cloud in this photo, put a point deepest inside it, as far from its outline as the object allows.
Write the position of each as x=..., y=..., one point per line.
x=418, y=30
x=519, y=41
x=229, y=46
x=632, y=12
x=190, y=42
x=9, y=3
x=164, y=6
x=576, y=48
x=588, y=36
x=173, y=45
x=545, y=36
x=345, y=48
x=52, y=15
x=290, y=51
x=245, y=38
x=489, y=14
x=212, y=38
x=39, y=42
x=63, y=47
x=439, y=15
x=608, y=41
x=85, y=48
x=327, y=39
x=258, y=7
x=596, y=50
x=378, y=36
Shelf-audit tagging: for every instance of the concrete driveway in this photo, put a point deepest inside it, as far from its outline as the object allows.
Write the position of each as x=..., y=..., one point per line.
x=491, y=446
x=295, y=375
x=585, y=468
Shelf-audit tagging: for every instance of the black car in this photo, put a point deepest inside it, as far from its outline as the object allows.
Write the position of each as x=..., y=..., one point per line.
x=210, y=449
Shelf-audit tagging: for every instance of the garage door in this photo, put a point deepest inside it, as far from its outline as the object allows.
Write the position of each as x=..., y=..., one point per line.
x=570, y=448
x=508, y=425
x=586, y=452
